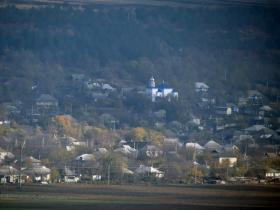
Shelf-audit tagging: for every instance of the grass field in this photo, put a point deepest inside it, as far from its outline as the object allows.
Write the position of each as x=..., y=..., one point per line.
x=125, y=197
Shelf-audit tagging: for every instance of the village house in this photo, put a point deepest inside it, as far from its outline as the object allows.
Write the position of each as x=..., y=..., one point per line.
x=172, y=144
x=265, y=111
x=38, y=173
x=85, y=157
x=230, y=148
x=34, y=171
x=224, y=110
x=46, y=105
x=5, y=122
x=32, y=162
x=127, y=150
x=151, y=151
x=148, y=171
x=195, y=147
x=78, y=77
x=5, y=154
x=272, y=174
x=8, y=174
x=213, y=146
x=70, y=176
x=71, y=143
x=201, y=87
x=255, y=97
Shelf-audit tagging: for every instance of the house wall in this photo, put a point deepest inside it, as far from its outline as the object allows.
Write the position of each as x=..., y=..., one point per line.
x=3, y=155
x=272, y=175
x=151, y=91
x=167, y=91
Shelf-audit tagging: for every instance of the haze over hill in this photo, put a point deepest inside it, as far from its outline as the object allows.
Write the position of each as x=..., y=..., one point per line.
x=140, y=91
x=133, y=42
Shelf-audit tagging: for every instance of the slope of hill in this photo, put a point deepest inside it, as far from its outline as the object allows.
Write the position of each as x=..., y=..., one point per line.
x=229, y=46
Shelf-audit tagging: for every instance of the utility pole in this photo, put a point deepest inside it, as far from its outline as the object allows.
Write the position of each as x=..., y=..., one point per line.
x=109, y=173
x=194, y=164
x=225, y=75
x=20, y=163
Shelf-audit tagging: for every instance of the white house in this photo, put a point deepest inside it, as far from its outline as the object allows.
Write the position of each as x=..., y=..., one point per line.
x=272, y=174
x=149, y=170
x=127, y=150
x=151, y=151
x=196, y=146
x=38, y=173
x=201, y=87
x=5, y=154
x=8, y=174
x=255, y=128
x=108, y=87
x=212, y=145
x=161, y=91
x=46, y=100
x=224, y=110
x=70, y=176
x=85, y=157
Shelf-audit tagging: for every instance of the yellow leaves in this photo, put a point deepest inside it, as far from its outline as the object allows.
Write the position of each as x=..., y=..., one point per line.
x=139, y=133
x=64, y=121
x=68, y=124
x=156, y=137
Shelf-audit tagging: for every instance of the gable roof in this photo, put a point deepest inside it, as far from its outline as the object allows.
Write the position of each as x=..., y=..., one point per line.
x=85, y=157
x=199, y=85
x=212, y=145
x=126, y=149
x=68, y=172
x=230, y=147
x=254, y=93
x=8, y=170
x=41, y=170
x=32, y=159
x=255, y=128
x=271, y=170
x=266, y=108
x=194, y=145
x=163, y=86
x=46, y=97
x=149, y=169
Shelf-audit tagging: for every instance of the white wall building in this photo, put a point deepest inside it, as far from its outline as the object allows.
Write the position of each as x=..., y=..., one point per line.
x=161, y=91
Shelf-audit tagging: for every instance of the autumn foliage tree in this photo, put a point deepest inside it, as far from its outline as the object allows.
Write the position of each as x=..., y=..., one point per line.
x=138, y=133
x=68, y=125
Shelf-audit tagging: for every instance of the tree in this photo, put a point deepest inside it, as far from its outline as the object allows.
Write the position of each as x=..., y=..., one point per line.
x=68, y=125
x=138, y=133
x=155, y=137
x=55, y=175
x=60, y=157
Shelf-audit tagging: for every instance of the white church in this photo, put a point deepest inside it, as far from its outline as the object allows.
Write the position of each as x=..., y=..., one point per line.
x=161, y=91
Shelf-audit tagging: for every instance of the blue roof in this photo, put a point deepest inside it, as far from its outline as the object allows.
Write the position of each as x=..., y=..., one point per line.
x=164, y=86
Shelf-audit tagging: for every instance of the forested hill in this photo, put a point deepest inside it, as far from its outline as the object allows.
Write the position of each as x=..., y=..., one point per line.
x=44, y=45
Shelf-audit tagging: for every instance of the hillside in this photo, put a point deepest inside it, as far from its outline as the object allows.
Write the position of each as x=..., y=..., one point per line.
x=231, y=47
x=152, y=91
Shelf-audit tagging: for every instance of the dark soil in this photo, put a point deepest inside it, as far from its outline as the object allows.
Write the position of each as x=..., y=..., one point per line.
x=124, y=197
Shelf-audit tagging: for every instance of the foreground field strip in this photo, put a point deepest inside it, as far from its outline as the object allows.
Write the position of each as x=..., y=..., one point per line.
x=223, y=196
x=225, y=192
x=92, y=199
x=74, y=202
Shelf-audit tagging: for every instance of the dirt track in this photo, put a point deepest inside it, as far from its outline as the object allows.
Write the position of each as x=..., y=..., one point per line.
x=139, y=197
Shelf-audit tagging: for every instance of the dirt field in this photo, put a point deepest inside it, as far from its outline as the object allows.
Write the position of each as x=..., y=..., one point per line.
x=123, y=197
